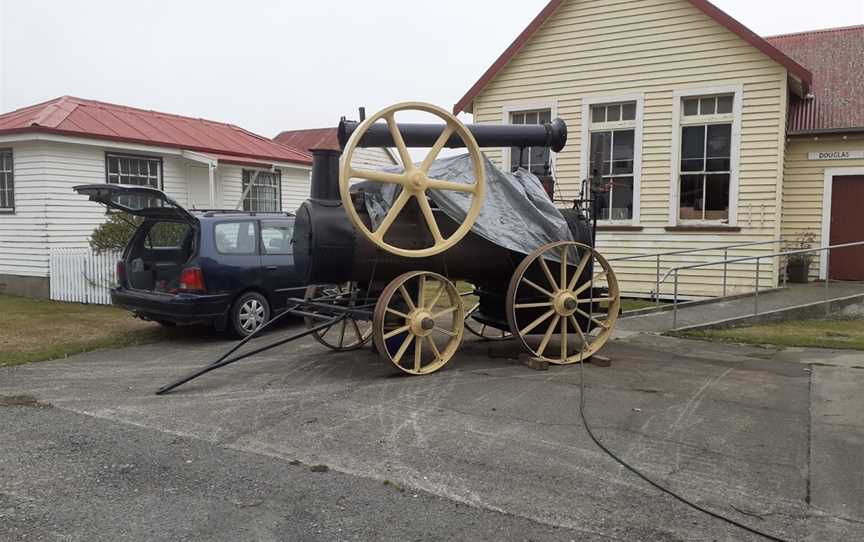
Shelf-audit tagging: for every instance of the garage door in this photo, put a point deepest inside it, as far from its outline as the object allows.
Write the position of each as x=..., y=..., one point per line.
x=847, y=226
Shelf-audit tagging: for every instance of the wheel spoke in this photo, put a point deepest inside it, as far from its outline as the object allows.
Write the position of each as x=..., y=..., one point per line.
x=392, y=215
x=445, y=312
x=604, y=325
x=437, y=296
x=378, y=176
x=532, y=305
x=406, y=297
x=405, y=344
x=437, y=184
x=418, y=354
x=397, y=313
x=549, y=331
x=444, y=331
x=421, y=291
x=548, y=273
x=434, y=348
x=395, y=332
x=430, y=218
x=564, y=250
x=579, y=331
x=536, y=322
x=582, y=263
x=436, y=148
x=563, y=337
x=407, y=163
x=342, y=334
x=357, y=330
x=537, y=287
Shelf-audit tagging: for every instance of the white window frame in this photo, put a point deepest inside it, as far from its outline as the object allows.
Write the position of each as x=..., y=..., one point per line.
x=10, y=210
x=277, y=172
x=827, y=197
x=678, y=122
x=637, y=126
x=126, y=156
x=521, y=107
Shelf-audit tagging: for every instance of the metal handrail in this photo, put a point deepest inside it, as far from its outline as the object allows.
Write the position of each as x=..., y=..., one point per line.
x=658, y=256
x=692, y=250
x=674, y=271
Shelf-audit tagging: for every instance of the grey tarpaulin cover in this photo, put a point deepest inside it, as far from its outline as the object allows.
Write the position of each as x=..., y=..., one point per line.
x=516, y=214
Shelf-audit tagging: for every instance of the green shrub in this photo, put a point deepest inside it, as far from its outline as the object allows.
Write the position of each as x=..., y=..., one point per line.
x=114, y=233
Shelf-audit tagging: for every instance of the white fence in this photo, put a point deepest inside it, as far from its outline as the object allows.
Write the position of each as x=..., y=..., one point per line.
x=80, y=275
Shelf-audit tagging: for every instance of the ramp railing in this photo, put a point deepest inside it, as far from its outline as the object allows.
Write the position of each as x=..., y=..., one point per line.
x=658, y=257
x=674, y=272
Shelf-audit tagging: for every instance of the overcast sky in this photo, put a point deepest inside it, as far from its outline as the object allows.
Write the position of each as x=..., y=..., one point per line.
x=270, y=66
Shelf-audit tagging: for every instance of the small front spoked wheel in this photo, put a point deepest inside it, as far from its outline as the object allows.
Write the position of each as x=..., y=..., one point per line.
x=347, y=334
x=419, y=321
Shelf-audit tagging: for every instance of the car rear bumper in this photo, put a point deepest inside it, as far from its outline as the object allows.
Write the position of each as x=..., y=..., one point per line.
x=179, y=308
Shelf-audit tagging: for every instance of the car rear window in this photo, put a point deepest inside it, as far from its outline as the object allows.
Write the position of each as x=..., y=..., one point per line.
x=235, y=237
x=167, y=235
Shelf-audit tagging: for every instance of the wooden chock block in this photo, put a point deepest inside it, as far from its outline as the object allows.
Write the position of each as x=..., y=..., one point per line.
x=537, y=364
x=600, y=361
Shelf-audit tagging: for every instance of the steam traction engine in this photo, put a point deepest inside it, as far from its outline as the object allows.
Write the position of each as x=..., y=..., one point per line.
x=401, y=257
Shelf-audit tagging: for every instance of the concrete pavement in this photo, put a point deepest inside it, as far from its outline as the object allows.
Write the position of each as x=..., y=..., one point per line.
x=486, y=449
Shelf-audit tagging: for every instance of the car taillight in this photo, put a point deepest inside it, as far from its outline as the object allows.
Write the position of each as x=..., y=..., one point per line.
x=192, y=279
x=121, y=272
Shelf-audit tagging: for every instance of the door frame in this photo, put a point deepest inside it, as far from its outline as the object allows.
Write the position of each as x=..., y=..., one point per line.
x=211, y=186
x=827, y=191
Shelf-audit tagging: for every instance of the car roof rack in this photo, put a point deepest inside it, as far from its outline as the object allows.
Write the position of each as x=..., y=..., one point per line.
x=215, y=212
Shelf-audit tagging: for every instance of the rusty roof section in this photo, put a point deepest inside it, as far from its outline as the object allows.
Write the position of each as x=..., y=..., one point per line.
x=314, y=138
x=72, y=116
x=795, y=69
x=836, y=57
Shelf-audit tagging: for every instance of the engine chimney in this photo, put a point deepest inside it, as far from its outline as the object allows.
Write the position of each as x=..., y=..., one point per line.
x=325, y=174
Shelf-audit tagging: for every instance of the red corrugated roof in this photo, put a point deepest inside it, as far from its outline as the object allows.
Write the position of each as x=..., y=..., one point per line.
x=836, y=57
x=72, y=116
x=794, y=68
x=315, y=138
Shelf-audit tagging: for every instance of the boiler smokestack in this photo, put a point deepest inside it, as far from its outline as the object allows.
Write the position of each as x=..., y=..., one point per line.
x=325, y=174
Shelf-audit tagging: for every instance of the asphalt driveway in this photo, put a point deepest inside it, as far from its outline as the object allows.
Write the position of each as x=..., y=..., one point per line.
x=304, y=444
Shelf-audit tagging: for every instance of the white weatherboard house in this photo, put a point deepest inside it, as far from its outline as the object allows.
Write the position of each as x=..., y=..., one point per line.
x=48, y=148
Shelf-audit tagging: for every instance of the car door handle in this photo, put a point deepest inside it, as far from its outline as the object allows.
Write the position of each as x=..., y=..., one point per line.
x=272, y=268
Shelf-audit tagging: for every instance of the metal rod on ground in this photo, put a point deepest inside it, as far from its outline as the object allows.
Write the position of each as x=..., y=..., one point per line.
x=725, y=267
x=756, y=297
x=222, y=362
x=657, y=285
x=675, y=304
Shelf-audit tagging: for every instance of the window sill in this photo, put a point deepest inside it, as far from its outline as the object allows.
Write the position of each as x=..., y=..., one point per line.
x=704, y=228
x=618, y=227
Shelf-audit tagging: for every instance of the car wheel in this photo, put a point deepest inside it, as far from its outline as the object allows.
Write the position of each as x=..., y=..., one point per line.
x=249, y=313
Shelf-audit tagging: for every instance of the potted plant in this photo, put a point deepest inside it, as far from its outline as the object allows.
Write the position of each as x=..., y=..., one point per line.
x=798, y=265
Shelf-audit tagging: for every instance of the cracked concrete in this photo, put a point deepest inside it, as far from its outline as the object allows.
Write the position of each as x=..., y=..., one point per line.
x=485, y=449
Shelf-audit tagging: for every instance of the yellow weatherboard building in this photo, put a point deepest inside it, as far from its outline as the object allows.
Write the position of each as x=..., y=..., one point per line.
x=704, y=134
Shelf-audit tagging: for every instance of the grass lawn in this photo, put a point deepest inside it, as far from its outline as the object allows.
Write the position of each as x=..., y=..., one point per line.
x=38, y=330
x=631, y=304
x=839, y=334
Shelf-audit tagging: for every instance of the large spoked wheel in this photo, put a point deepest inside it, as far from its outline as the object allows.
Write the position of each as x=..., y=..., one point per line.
x=414, y=181
x=419, y=322
x=347, y=334
x=564, y=293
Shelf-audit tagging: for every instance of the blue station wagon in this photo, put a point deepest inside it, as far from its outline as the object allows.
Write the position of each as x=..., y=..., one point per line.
x=231, y=269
